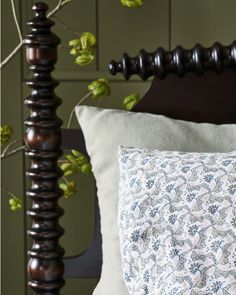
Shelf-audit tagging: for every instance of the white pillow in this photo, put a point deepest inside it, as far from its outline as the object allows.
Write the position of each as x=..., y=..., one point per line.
x=105, y=130
x=177, y=222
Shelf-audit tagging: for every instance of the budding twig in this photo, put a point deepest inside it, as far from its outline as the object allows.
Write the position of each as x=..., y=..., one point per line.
x=99, y=101
x=58, y=7
x=63, y=161
x=73, y=111
x=7, y=192
x=9, y=145
x=6, y=155
x=60, y=4
x=64, y=26
x=65, y=179
x=16, y=20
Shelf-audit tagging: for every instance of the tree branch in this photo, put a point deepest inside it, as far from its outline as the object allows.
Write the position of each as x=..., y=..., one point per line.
x=65, y=179
x=60, y=4
x=6, y=191
x=99, y=101
x=6, y=155
x=11, y=55
x=9, y=145
x=64, y=26
x=73, y=111
x=63, y=161
x=16, y=20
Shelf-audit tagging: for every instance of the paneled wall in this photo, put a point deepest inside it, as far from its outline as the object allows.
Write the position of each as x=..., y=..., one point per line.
x=158, y=23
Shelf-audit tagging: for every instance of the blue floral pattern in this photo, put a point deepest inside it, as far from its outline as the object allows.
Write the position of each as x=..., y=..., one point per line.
x=177, y=222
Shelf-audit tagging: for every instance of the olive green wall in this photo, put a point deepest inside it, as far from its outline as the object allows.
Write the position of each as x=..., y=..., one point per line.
x=158, y=23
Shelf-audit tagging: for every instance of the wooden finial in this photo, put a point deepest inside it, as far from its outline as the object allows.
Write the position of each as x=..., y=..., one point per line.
x=40, y=9
x=42, y=140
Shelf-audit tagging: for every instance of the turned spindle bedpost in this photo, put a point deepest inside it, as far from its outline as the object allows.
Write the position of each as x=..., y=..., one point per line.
x=43, y=140
x=179, y=61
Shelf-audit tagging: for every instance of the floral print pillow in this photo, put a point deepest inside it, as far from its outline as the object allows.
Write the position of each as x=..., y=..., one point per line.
x=177, y=222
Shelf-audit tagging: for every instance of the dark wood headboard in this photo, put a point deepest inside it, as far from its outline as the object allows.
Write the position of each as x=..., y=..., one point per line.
x=195, y=85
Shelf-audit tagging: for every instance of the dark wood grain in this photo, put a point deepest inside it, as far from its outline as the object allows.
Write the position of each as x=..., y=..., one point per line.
x=209, y=98
x=194, y=85
x=179, y=61
x=43, y=140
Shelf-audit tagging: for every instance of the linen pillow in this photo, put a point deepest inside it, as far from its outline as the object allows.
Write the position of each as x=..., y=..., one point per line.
x=105, y=130
x=177, y=222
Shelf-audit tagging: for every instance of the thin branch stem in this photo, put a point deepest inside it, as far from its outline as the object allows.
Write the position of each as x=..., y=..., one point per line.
x=65, y=179
x=100, y=100
x=9, y=145
x=11, y=55
x=12, y=152
x=7, y=192
x=63, y=161
x=64, y=46
x=64, y=26
x=60, y=4
x=16, y=20
x=73, y=111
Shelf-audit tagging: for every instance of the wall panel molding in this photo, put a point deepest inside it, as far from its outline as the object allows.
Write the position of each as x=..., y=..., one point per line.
x=195, y=21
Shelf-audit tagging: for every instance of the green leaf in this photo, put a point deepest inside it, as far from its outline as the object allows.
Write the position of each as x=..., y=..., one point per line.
x=132, y=3
x=86, y=168
x=74, y=51
x=68, y=173
x=75, y=43
x=69, y=188
x=88, y=40
x=65, y=166
x=83, y=48
x=63, y=186
x=70, y=157
x=6, y=132
x=100, y=88
x=76, y=153
x=15, y=203
x=77, y=162
x=85, y=58
x=131, y=100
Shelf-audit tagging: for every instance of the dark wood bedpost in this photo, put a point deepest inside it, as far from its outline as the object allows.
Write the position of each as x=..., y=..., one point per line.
x=43, y=140
x=179, y=61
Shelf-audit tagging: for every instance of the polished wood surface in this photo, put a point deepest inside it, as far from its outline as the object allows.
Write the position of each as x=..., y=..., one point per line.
x=179, y=61
x=209, y=98
x=193, y=85
x=43, y=140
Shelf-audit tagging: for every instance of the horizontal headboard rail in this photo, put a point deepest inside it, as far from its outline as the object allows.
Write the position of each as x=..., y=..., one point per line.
x=179, y=61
